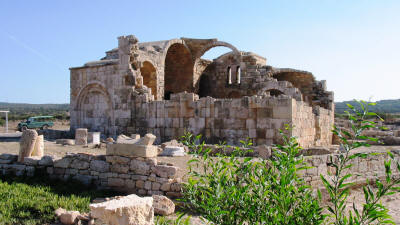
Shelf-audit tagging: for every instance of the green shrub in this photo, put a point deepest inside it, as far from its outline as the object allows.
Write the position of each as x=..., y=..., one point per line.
x=236, y=190
x=338, y=185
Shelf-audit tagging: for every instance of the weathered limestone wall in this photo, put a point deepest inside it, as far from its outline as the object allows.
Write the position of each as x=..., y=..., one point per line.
x=144, y=176
x=230, y=120
x=147, y=176
x=92, y=94
x=365, y=168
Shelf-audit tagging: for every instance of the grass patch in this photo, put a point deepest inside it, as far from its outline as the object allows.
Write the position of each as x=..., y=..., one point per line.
x=25, y=200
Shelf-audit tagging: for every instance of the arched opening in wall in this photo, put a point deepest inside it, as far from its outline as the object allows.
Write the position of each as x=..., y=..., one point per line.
x=214, y=71
x=149, y=75
x=178, y=74
x=95, y=112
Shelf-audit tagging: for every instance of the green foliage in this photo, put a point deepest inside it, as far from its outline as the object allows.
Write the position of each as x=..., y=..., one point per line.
x=33, y=200
x=382, y=107
x=160, y=220
x=236, y=190
x=2, y=122
x=338, y=184
x=22, y=111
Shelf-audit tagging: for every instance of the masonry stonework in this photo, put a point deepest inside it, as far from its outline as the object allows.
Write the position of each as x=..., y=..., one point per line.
x=166, y=88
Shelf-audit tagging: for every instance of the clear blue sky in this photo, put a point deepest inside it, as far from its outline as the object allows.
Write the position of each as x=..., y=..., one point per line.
x=354, y=45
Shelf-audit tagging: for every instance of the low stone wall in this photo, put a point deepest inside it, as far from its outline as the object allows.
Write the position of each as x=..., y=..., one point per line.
x=146, y=176
x=143, y=176
x=369, y=168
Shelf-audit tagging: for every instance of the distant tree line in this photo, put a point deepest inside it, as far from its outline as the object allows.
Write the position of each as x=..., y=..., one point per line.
x=22, y=111
x=384, y=108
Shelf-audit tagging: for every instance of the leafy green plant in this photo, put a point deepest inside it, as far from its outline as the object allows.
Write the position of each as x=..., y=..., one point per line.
x=339, y=183
x=180, y=220
x=235, y=189
x=192, y=141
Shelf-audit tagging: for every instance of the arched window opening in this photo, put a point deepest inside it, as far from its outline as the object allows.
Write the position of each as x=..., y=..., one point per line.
x=229, y=74
x=149, y=74
x=238, y=74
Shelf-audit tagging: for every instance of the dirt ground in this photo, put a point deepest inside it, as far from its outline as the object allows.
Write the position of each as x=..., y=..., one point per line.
x=392, y=202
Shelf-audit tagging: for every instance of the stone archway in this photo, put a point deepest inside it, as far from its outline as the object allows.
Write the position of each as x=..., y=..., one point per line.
x=201, y=66
x=178, y=71
x=149, y=74
x=94, y=109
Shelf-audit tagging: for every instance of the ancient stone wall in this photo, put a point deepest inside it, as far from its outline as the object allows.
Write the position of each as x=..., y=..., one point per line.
x=144, y=176
x=363, y=168
x=231, y=120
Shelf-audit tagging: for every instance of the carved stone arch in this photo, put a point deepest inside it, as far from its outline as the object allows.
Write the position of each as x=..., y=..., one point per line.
x=216, y=44
x=95, y=108
x=178, y=68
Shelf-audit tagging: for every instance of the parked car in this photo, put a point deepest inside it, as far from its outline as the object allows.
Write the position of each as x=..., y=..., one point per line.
x=42, y=122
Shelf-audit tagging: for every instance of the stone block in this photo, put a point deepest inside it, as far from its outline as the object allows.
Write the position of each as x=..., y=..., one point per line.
x=79, y=164
x=173, y=151
x=162, y=205
x=140, y=184
x=166, y=171
x=81, y=135
x=27, y=144
x=155, y=186
x=166, y=187
x=63, y=162
x=132, y=150
x=147, y=185
x=139, y=167
x=93, y=138
x=116, y=182
x=32, y=161
x=99, y=166
x=46, y=160
x=119, y=168
x=128, y=210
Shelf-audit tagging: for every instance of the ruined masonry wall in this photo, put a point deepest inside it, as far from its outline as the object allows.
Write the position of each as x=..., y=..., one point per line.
x=363, y=168
x=230, y=120
x=99, y=99
x=147, y=177
x=144, y=176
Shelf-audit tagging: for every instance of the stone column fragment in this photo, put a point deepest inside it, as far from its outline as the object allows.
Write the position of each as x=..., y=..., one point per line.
x=27, y=144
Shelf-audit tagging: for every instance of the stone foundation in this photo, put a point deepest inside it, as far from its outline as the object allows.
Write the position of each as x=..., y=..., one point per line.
x=143, y=176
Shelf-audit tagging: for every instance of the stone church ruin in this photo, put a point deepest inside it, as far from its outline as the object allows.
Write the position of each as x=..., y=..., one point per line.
x=166, y=88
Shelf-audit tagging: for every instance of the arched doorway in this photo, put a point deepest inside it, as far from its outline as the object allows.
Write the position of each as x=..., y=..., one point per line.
x=149, y=75
x=95, y=109
x=178, y=74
